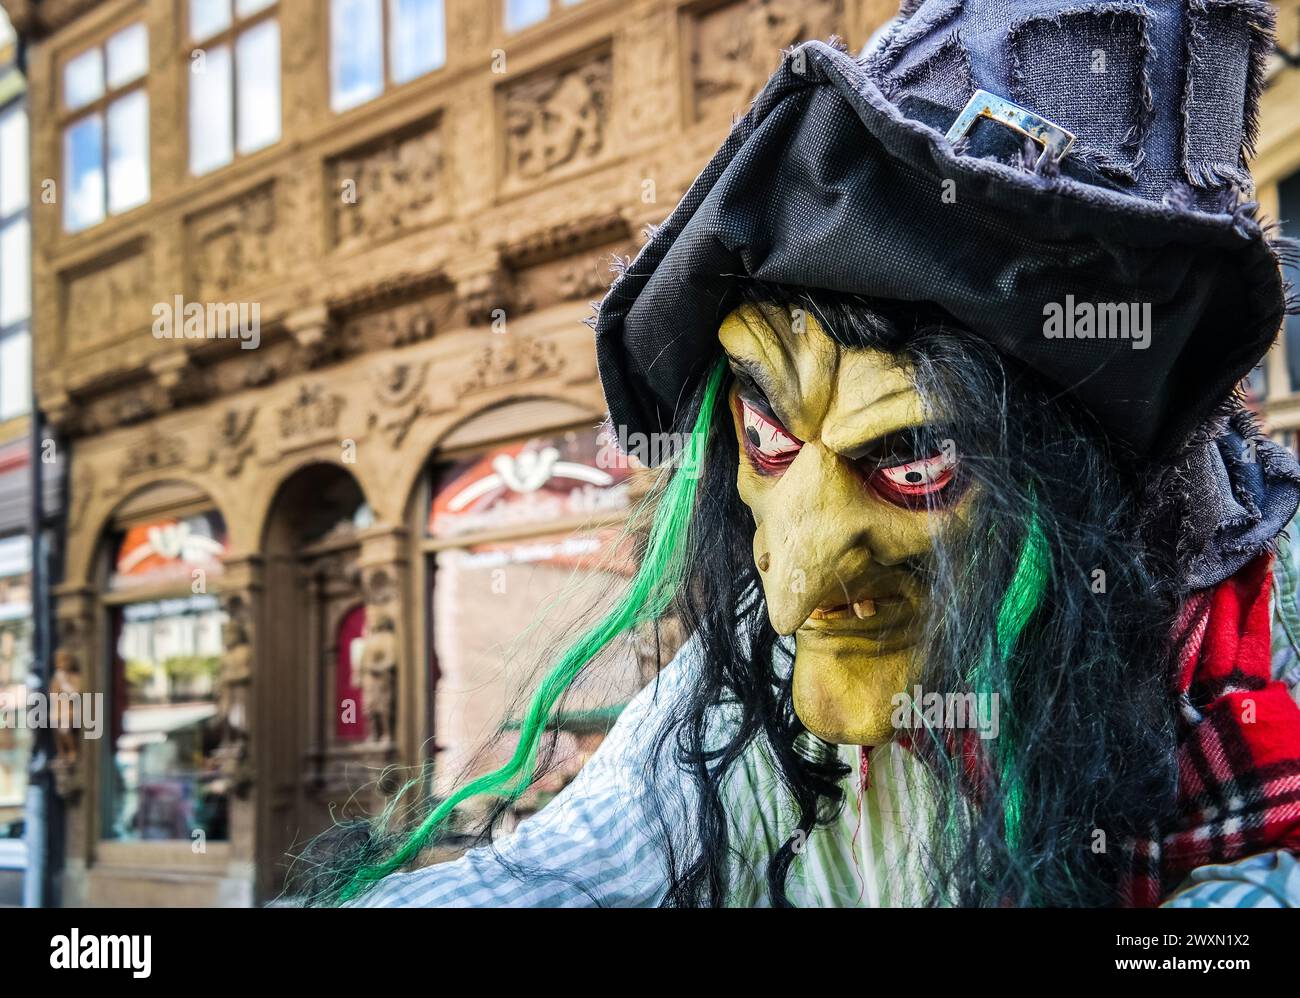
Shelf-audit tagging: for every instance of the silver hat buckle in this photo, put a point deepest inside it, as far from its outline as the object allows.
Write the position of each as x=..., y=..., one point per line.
x=1054, y=139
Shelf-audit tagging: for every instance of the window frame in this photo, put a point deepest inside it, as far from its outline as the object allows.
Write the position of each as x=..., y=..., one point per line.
x=228, y=36
x=22, y=326
x=554, y=9
x=67, y=117
x=387, y=83
x=112, y=602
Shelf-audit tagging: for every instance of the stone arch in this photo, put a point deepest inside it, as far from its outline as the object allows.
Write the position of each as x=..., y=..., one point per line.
x=318, y=562
x=80, y=560
x=271, y=489
x=496, y=421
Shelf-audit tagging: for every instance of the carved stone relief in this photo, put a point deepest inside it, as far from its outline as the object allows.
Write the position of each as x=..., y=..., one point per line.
x=312, y=411
x=104, y=303
x=510, y=358
x=556, y=122
x=400, y=399
x=232, y=246
x=380, y=192
x=736, y=47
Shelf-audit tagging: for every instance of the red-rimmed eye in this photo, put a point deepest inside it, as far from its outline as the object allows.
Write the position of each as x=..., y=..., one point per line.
x=915, y=483
x=766, y=441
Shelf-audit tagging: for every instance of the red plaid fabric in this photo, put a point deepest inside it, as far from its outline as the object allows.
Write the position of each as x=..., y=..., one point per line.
x=1239, y=747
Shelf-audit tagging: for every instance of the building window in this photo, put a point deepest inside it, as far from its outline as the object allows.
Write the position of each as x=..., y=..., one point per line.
x=234, y=80
x=1288, y=196
x=362, y=65
x=522, y=14
x=15, y=265
x=15, y=662
x=106, y=129
x=523, y=540
x=167, y=709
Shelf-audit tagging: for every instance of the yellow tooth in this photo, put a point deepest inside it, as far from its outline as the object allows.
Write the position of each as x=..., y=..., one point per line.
x=864, y=608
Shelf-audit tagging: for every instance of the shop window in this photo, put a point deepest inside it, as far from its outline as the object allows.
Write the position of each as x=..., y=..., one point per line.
x=527, y=547
x=234, y=60
x=377, y=44
x=105, y=126
x=166, y=704
x=520, y=14
x=15, y=661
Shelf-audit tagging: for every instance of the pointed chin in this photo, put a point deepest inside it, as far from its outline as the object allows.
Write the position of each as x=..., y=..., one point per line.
x=845, y=684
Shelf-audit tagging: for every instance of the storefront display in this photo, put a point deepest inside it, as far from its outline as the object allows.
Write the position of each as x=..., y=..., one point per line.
x=166, y=696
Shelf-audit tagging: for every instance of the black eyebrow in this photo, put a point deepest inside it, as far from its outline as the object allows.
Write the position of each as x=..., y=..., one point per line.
x=757, y=380
x=922, y=434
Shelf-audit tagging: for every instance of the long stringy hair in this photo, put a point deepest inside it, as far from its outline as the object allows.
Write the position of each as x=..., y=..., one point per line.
x=1058, y=597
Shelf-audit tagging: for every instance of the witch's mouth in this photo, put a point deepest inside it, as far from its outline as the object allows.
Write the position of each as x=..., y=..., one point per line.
x=860, y=609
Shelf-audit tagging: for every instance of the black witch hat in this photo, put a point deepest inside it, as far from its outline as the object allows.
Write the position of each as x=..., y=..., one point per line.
x=1067, y=181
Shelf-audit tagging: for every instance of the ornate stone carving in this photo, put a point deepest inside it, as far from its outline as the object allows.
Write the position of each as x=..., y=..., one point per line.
x=509, y=359
x=235, y=446
x=81, y=492
x=379, y=675
x=232, y=246
x=396, y=327
x=233, y=705
x=176, y=376
x=378, y=193
x=557, y=121
x=379, y=584
x=104, y=303
x=396, y=383
x=398, y=390
x=485, y=294
x=68, y=680
x=156, y=452
x=736, y=47
x=65, y=685
x=312, y=411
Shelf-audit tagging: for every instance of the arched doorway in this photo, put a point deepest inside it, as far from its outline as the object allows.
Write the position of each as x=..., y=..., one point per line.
x=315, y=746
x=162, y=789
x=520, y=543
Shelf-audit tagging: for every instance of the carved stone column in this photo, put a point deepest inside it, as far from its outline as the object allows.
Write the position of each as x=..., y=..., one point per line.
x=386, y=677
x=75, y=616
x=240, y=595
x=73, y=673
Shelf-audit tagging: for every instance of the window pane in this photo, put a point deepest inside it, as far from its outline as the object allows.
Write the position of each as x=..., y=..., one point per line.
x=207, y=17
x=356, y=52
x=15, y=660
x=418, y=41
x=128, y=55
x=243, y=8
x=13, y=161
x=128, y=151
x=522, y=13
x=15, y=276
x=83, y=79
x=165, y=783
x=1288, y=196
x=257, y=58
x=15, y=374
x=210, y=112
x=83, y=173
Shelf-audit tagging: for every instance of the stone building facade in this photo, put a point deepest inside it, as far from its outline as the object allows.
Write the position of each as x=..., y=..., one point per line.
x=255, y=536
